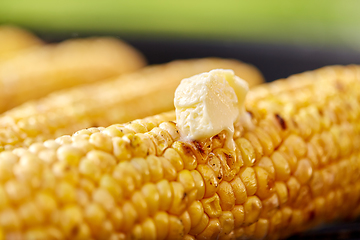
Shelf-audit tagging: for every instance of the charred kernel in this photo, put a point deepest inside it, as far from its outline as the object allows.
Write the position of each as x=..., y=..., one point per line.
x=230, y=165
x=187, y=155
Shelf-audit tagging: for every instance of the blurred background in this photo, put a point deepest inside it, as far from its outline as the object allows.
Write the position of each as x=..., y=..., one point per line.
x=280, y=37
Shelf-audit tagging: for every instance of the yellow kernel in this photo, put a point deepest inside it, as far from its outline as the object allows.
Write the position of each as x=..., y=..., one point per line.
x=161, y=221
x=168, y=169
x=248, y=177
x=295, y=144
x=282, y=192
x=211, y=231
x=269, y=206
x=226, y=195
x=265, y=183
x=186, y=221
x=212, y=206
x=249, y=231
x=282, y=168
x=293, y=188
x=66, y=172
x=155, y=168
x=201, y=226
x=239, y=190
x=65, y=192
x=10, y=220
x=104, y=198
x=266, y=164
x=265, y=141
x=247, y=151
x=152, y=197
x=174, y=158
x=195, y=210
x=111, y=185
x=136, y=233
x=165, y=193
x=30, y=215
x=199, y=184
x=94, y=215
x=226, y=222
x=121, y=148
x=142, y=167
x=148, y=229
x=254, y=141
x=36, y=233
x=113, y=131
x=210, y=180
x=303, y=171
x=124, y=174
x=131, y=216
x=187, y=180
x=69, y=154
x=176, y=228
x=117, y=218
x=71, y=219
x=179, y=200
x=101, y=141
x=261, y=229
x=140, y=205
x=252, y=210
x=3, y=198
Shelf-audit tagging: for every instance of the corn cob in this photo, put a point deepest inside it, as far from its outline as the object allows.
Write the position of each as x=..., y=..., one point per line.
x=294, y=169
x=14, y=40
x=137, y=95
x=39, y=71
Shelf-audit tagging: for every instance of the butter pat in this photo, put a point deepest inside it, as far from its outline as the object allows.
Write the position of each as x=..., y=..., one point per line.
x=209, y=103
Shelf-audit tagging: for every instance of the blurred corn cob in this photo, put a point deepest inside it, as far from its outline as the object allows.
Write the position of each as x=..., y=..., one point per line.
x=14, y=40
x=143, y=93
x=297, y=167
x=38, y=71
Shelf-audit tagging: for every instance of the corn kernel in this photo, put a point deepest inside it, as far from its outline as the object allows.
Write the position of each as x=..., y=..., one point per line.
x=248, y=177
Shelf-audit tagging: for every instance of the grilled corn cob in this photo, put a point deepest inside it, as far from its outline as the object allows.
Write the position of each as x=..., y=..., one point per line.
x=39, y=71
x=140, y=94
x=13, y=40
x=293, y=169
